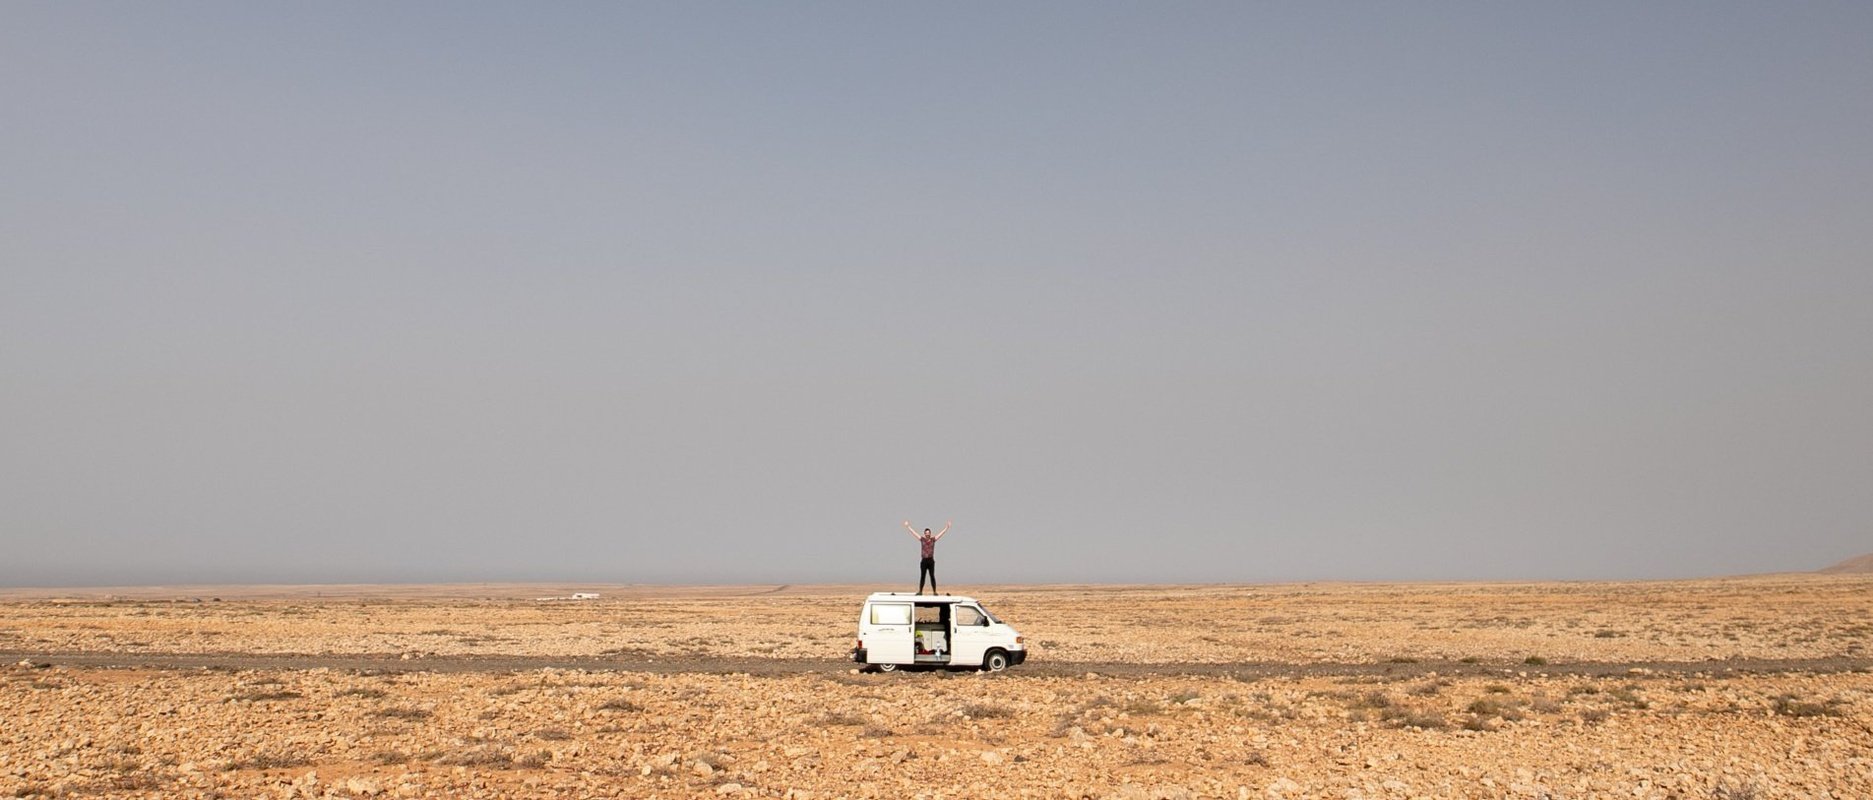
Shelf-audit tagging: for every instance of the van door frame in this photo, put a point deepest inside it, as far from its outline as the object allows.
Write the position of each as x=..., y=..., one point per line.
x=890, y=643
x=969, y=645
x=946, y=617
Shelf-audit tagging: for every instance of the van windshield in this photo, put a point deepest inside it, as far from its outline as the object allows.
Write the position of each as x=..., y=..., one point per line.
x=991, y=617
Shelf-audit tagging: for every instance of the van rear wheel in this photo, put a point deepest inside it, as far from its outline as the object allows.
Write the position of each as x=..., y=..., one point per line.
x=995, y=661
x=885, y=667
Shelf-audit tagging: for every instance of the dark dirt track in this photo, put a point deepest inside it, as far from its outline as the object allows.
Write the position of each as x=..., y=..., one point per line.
x=1039, y=668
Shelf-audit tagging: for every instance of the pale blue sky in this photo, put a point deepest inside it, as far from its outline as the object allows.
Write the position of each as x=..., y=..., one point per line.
x=1133, y=292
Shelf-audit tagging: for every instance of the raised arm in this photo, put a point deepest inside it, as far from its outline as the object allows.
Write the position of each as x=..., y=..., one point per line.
x=946, y=529
x=913, y=531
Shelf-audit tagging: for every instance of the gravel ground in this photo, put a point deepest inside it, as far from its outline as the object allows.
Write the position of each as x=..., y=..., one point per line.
x=717, y=665
x=550, y=733
x=1698, y=690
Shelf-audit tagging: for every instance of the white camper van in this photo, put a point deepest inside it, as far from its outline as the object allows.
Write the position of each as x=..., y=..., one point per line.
x=936, y=630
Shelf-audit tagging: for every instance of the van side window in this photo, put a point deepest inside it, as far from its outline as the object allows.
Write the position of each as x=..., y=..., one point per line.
x=890, y=613
x=967, y=615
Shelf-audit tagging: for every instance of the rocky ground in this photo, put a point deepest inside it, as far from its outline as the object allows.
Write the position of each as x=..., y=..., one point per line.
x=1774, y=618
x=1517, y=721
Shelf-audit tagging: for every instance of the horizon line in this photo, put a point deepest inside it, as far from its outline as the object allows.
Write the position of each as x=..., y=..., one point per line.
x=364, y=587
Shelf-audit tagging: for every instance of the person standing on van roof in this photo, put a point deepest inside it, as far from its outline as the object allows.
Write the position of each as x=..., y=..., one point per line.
x=928, y=565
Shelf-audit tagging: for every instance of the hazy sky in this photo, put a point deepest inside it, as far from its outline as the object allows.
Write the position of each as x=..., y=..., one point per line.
x=712, y=292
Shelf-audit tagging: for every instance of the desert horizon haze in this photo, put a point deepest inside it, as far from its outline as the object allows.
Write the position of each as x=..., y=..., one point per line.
x=497, y=589
x=702, y=294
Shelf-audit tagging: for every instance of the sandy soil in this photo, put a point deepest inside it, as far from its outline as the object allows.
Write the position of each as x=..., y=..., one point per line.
x=1747, y=688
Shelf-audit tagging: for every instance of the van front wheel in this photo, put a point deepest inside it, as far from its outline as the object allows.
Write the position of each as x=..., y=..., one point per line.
x=995, y=661
x=885, y=667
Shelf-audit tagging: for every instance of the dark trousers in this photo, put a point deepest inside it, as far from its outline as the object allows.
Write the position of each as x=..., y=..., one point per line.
x=926, y=567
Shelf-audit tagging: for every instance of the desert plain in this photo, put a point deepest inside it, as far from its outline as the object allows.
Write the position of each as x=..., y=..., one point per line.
x=1723, y=689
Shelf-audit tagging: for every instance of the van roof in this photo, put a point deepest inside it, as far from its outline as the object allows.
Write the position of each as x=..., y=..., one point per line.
x=920, y=598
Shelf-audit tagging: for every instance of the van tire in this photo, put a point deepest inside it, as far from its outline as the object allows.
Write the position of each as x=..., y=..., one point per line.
x=885, y=667
x=995, y=661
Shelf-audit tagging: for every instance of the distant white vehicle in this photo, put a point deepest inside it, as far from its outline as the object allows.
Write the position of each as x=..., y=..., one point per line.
x=573, y=596
x=940, y=630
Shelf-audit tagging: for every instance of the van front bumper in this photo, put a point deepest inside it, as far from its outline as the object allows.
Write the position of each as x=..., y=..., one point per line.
x=1016, y=657
x=858, y=654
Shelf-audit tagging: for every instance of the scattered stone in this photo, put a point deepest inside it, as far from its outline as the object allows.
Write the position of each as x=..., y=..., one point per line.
x=1138, y=733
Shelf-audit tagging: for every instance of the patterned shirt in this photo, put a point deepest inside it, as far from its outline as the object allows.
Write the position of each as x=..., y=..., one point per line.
x=929, y=544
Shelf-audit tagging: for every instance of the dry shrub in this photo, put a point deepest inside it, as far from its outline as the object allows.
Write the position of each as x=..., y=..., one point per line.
x=267, y=761
x=1789, y=705
x=1487, y=707
x=282, y=694
x=1629, y=696
x=987, y=711
x=1063, y=725
x=1141, y=708
x=139, y=781
x=401, y=712
x=118, y=764
x=481, y=755
x=362, y=691
x=620, y=704
x=1415, y=718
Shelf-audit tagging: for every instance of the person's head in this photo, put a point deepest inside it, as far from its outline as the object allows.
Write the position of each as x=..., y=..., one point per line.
x=926, y=530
